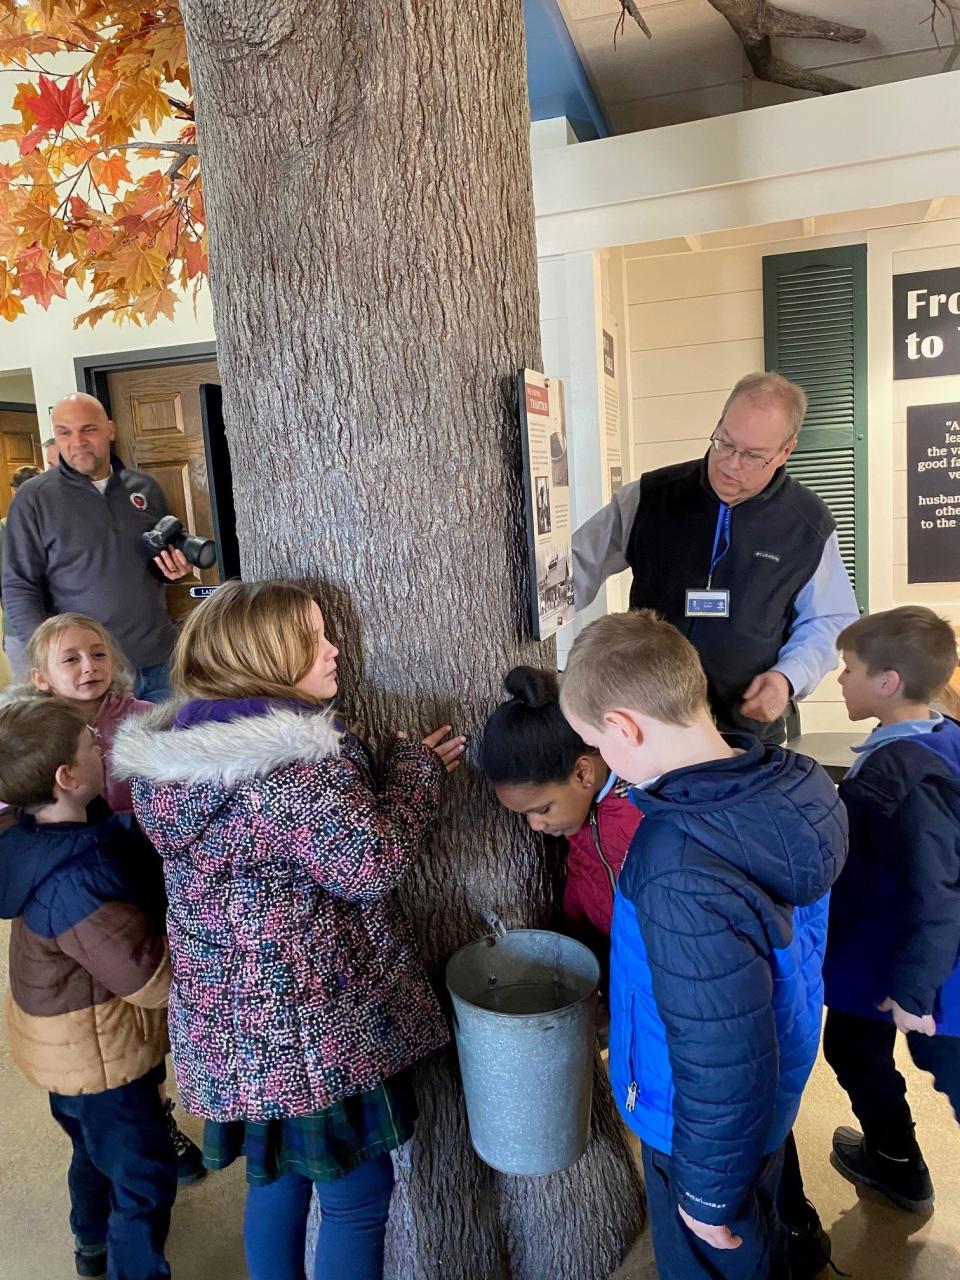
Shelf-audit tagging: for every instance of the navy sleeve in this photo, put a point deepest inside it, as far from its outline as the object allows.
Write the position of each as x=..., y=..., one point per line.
x=24, y=569
x=927, y=945
x=713, y=987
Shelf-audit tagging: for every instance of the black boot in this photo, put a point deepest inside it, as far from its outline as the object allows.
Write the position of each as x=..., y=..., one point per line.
x=904, y=1180
x=809, y=1246
x=190, y=1167
x=90, y=1259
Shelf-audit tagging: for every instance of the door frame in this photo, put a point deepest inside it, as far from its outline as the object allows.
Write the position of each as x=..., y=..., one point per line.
x=93, y=376
x=92, y=372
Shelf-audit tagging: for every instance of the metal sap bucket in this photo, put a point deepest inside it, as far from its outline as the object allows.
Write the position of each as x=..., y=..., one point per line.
x=524, y=1015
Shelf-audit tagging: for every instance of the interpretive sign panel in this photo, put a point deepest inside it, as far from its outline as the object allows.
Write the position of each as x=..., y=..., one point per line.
x=933, y=493
x=547, y=488
x=926, y=323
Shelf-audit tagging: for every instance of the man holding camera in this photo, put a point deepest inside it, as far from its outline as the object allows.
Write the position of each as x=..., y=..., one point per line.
x=74, y=543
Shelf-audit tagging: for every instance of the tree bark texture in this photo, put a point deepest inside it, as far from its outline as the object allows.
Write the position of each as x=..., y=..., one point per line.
x=373, y=274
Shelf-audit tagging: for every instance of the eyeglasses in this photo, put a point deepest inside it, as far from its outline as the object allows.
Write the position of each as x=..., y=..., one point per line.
x=751, y=460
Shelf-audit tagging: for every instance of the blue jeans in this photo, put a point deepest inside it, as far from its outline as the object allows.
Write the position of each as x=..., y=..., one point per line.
x=681, y=1255
x=352, y=1228
x=152, y=684
x=123, y=1175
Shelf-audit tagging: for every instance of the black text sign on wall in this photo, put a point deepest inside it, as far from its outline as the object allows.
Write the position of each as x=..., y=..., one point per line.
x=926, y=323
x=933, y=493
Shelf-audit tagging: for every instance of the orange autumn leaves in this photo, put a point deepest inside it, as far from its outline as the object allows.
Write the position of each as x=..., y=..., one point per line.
x=99, y=178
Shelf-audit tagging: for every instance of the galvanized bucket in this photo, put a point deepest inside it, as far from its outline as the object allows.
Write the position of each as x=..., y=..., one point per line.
x=524, y=1015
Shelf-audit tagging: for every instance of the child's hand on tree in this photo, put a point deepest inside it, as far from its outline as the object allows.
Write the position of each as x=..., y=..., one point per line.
x=450, y=753
x=717, y=1236
x=906, y=1022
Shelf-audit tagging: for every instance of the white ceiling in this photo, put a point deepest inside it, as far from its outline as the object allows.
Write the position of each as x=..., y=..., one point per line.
x=694, y=66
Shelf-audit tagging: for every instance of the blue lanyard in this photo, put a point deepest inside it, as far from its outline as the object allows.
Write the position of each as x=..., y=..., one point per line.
x=723, y=527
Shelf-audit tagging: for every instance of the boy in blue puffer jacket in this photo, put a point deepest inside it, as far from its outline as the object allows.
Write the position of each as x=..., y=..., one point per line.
x=894, y=941
x=719, y=927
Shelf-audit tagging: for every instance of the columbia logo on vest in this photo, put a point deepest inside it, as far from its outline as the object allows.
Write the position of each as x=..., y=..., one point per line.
x=766, y=555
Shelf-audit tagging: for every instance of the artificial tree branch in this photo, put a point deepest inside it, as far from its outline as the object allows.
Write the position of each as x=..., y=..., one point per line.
x=781, y=22
x=757, y=23
x=183, y=149
x=945, y=9
x=774, y=70
x=629, y=9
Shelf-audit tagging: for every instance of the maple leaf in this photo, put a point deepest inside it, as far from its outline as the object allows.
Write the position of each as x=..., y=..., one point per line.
x=10, y=304
x=33, y=256
x=109, y=172
x=92, y=316
x=11, y=307
x=44, y=287
x=30, y=141
x=54, y=107
x=80, y=211
x=98, y=239
x=39, y=226
x=146, y=229
x=24, y=99
x=157, y=302
x=139, y=268
x=195, y=258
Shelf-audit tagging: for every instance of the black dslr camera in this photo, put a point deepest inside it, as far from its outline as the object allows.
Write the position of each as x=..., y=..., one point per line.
x=169, y=532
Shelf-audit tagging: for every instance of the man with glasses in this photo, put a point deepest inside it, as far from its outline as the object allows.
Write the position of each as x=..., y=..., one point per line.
x=738, y=555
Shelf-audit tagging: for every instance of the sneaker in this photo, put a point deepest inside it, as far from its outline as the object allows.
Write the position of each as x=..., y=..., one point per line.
x=809, y=1246
x=190, y=1166
x=905, y=1181
x=90, y=1259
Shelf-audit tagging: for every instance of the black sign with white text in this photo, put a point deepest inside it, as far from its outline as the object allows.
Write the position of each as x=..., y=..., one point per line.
x=933, y=493
x=926, y=323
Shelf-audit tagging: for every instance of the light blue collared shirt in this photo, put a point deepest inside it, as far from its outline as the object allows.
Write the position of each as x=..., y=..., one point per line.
x=890, y=733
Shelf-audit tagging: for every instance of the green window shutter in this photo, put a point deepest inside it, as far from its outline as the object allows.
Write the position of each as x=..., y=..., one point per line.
x=815, y=334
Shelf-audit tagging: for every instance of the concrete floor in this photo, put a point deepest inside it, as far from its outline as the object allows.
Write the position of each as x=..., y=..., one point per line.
x=871, y=1241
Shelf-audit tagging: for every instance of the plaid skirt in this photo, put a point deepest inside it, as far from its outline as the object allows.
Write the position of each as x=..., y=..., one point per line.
x=323, y=1146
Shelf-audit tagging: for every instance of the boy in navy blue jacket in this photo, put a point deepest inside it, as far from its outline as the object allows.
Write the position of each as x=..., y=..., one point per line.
x=894, y=939
x=718, y=933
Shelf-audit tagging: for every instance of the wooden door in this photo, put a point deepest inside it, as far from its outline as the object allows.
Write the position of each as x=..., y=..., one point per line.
x=19, y=447
x=159, y=431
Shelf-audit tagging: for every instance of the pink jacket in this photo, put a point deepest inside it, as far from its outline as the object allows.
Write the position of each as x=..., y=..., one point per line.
x=113, y=710
x=295, y=980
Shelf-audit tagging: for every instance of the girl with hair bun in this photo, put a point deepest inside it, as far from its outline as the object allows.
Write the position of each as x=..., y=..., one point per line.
x=542, y=770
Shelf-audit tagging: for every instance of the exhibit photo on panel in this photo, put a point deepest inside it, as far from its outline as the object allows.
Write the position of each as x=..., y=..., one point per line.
x=546, y=482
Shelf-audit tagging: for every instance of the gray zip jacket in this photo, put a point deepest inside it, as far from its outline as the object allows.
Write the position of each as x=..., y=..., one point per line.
x=70, y=549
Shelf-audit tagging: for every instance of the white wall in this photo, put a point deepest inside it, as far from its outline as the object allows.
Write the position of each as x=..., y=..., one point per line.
x=576, y=292
x=827, y=155
x=696, y=326
x=45, y=342
x=16, y=387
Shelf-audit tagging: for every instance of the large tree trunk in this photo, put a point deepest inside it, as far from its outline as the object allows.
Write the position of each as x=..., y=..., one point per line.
x=373, y=273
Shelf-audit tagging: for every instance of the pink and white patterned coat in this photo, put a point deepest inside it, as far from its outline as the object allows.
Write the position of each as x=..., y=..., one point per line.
x=295, y=979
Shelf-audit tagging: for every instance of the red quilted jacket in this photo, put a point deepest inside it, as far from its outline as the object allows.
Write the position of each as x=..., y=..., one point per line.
x=596, y=854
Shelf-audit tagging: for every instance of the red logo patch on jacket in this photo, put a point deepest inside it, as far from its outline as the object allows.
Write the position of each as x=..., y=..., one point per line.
x=139, y=501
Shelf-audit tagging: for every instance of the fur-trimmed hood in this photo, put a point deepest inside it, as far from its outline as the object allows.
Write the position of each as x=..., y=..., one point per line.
x=224, y=754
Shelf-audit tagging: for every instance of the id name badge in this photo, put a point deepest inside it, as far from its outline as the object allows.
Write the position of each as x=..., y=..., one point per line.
x=706, y=603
